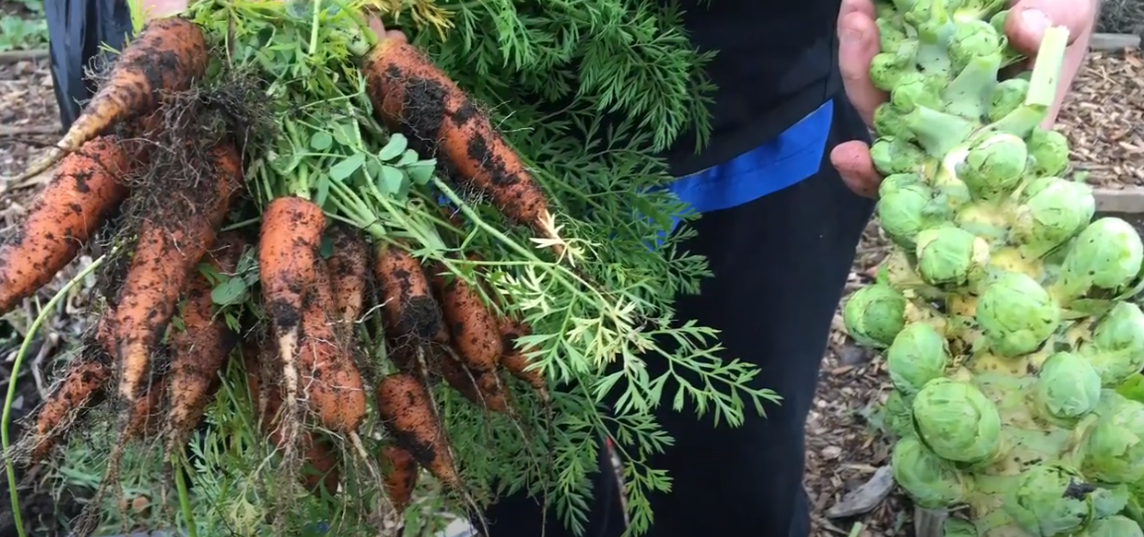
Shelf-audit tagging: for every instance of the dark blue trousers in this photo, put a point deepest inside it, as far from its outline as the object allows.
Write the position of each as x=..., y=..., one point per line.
x=779, y=229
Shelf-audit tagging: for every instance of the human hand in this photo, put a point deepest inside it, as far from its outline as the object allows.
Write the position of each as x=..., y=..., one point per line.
x=858, y=44
x=163, y=8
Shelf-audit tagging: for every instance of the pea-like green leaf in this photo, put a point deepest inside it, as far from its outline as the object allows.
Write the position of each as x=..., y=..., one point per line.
x=391, y=180
x=346, y=167
x=407, y=158
x=422, y=172
x=321, y=141
x=396, y=146
x=232, y=291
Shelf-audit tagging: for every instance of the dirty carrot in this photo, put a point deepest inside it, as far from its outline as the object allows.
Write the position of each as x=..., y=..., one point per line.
x=200, y=348
x=333, y=385
x=482, y=388
x=404, y=406
x=472, y=327
x=349, y=264
x=408, y=306
x=169, y=54
x=82, y=387
x=514, y=359
x=403, y=84
x=169, y=248
x=400, y=471
x=289, y=240
x=85, y=189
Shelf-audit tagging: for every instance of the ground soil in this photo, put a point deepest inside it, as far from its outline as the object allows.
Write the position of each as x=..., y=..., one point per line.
x=1104, y=120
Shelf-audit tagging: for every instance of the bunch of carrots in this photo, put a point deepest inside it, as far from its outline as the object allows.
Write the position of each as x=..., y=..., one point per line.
x=164, y=341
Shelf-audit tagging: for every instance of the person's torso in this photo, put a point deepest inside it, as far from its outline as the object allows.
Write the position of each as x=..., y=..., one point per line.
x=775, y=62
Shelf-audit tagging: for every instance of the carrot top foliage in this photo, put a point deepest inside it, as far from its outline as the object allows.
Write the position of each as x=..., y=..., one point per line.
x=586, y=92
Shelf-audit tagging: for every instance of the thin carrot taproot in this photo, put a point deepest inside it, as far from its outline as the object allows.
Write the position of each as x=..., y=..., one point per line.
x=416, y=98
x=200, y=348
x=349, y=265
x=400, y=470
x=169, y=54
x=405, y=407
x=82, y=386
x=85, y=189
x=289, y=240
x=168, y=251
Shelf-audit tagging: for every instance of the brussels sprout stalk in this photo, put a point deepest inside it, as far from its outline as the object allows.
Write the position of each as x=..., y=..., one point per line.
x=1042, y=85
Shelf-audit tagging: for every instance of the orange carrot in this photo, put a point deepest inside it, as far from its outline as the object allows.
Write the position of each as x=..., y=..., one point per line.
x=472, y=327
x=169, y=54
x=200, y=349
x=482, y=388
x=408, y=307
x=407, y=411
x=414, y=97
x=82, y=387
x=168, y=251
x=70, y=208
x=332, y=382
x=318, y=452
x=288, y=246
x=348, y=266
x=400, y=470
x=514, y=359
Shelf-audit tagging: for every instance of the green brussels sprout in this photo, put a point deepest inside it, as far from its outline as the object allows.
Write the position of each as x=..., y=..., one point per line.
x=890, y=121
x=1008, y=95
x=1114, y=447
x=886, y=68
x=918, y=13
x=895, y=155
x=916, y=89
x=949, y=255
x=994, y=165
x=1109, y=501
x=1068, y=387
x=917, y=356
x=1117, y=347
x=890, y=33
x=1054, y=211
x=1115, y=526
x=1106, y=255
x=973, y=39
x=1049, y=151
x=957, y=421
x=874, y=315
x=1016, y=315
x=898, y=181
x=998, y=21
x=930, y=481
x=897, y=419
x=975, y=9
x=956, y=527
x=905, y=212
x=1050, y=501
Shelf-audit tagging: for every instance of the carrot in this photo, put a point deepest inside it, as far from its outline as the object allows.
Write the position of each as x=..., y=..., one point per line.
x=318, y=452
x=147, y=412
x=400, y=470
x=514, y=359
x=348, y=266
x=169, y=249
x=169, y=54
x=414, y=97
x=200, y=349
x=82, y=387
x=482, y=388
x=288, y=246
x=408, y=307
x=72, y=206
x=404, y=405
x=472, y=327
x=332, y=382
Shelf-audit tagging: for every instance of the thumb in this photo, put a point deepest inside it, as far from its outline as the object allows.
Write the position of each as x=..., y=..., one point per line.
x=1028, y=20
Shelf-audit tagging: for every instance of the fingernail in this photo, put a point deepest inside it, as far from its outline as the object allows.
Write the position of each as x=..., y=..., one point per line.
x=1034, y=22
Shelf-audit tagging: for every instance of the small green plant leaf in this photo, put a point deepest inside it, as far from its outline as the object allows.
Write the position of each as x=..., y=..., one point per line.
x=391, y=180
x=346, y=167
x=321, y=141
x=232, y=291
x=396, y=146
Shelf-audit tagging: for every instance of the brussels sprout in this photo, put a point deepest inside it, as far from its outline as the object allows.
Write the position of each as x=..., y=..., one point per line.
x=897, y=419
x=1117, y=346
x=904, y=212
x=886, y=69
x=1054, y=211
x=916, y=89
x=998, y=21
x=1049, y=151
x=1115, y=526
x=1016, y=315
x=890, y=121
x=1106, y=255
x=972, y=39
x=895, y=155
x=917, y=356
x=957, y=421
x=1114, y=448
x=1008, y=95
x=1109, y=501
x=874, y=315
x=994, y=165
x=930, y=481
x=898, y=181
x=1050, y=501
x=950, y=255
x=890, y=33
x=1068, y=387
x=956, y=527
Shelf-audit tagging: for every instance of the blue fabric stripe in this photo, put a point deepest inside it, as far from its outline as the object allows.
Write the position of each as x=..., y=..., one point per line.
x=793, y=156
